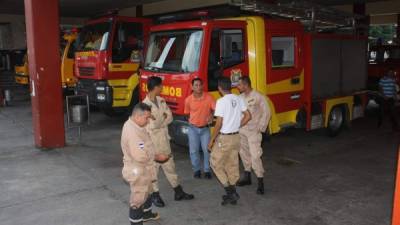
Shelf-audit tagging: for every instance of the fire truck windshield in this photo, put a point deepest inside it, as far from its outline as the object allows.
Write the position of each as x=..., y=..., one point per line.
x=174, y=51
x=94, y=37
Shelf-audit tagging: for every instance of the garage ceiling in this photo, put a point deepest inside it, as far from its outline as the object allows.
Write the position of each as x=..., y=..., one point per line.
x=75, y=8
x=79, y=8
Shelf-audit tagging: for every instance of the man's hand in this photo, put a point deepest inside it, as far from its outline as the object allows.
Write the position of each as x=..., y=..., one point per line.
x=210, y=145
x=161, y=158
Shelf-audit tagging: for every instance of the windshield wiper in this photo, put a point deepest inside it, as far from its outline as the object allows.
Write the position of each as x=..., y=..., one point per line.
x=152, y=68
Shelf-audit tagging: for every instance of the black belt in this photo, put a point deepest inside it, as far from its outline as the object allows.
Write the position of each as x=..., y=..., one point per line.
x=229, y=133
x=199, y=127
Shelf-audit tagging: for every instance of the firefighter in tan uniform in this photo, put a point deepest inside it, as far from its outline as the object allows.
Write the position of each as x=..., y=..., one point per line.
x=138, y=158
x=231, y=113
x=251, y=134
x=158, y=130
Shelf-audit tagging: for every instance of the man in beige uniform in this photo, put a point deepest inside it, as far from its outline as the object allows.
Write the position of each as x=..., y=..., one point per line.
x=158, y=130
x=138, y=157
x=251, y=134
x=231, y=114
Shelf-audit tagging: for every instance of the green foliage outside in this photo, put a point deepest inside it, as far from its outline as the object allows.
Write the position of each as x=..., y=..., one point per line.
x=386, y=32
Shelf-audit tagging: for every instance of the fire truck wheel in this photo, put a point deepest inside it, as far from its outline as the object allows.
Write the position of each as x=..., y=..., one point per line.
x=335, y=121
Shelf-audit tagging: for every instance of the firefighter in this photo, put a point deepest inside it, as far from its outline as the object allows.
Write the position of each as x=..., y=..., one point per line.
x=138, y=170
x=158, y=129
x=231, y=113
x=251, y=134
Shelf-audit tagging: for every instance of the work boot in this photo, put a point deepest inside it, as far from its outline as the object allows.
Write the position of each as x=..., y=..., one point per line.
x=136, y=216
x=260, y=188
x=149, y=215
x=157, y=200
x=197, y=174
x=235, y=195
x=245, y=180
x=181, y=195
x=229, y=197
x=207, y=175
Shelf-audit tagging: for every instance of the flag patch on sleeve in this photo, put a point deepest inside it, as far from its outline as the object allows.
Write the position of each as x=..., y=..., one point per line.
x=141, y=145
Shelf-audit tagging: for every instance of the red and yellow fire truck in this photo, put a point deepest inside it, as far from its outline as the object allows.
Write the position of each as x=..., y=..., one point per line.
x=310, y=80
x=68, y=80
x=108, y=56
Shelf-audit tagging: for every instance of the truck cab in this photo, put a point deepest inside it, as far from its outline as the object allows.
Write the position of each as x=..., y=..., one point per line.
x=108, y=56
x=287, y=65
x=67, y=49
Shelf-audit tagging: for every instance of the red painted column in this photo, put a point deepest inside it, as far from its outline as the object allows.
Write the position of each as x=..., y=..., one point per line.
x=42, y=30
x=396, y=197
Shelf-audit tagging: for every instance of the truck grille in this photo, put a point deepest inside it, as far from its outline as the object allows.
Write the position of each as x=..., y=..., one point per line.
x=86, y=71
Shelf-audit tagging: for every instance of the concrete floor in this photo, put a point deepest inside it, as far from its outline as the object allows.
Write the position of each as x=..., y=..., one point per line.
x=311, y=179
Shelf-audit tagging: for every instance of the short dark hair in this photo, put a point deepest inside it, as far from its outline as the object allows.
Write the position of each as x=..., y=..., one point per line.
x=246, y=80
x=140, y=108
x=225, y=83
x=197, y=79
x=153, y=82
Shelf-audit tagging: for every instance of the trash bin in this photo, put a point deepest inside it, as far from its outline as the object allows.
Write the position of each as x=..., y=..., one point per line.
x=79, y=114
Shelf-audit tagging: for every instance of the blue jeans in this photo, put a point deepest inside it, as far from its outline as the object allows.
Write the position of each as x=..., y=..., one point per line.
x=199, y=137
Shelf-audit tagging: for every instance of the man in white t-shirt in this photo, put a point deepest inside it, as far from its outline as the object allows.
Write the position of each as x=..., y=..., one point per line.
x=231, y=113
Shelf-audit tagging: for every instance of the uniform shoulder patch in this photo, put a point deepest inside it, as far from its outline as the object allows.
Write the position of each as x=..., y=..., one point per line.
x=141, y=145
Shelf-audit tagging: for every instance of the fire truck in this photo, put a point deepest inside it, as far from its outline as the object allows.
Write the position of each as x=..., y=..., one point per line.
x=108, y=56
x=310, y=80
x=67, y=48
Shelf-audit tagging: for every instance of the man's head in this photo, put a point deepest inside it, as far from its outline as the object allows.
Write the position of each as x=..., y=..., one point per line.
x=154, y=84
x=390, y=73
x=244, y=84
x=197, y=85
x=224, y=85
x=141, y=114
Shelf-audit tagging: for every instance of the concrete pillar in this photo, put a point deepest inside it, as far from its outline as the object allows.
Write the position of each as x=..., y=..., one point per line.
x=42, y=29
x=139, y=11
x=398, y=28
x=362, y=25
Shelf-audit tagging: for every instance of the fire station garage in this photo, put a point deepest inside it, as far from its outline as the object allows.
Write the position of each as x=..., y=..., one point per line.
x=318, y=79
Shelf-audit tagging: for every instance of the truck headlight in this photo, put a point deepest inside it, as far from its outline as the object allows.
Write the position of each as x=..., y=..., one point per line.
x=101, y=97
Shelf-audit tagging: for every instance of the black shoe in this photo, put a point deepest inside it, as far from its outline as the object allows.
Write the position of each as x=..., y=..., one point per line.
x=157, y=200
x=235, y=195
x=245, y=180
x=181, y=195
x=147, y=216
x=260, y=188
x=207, y=175
x=197, y=174
x=229, y=198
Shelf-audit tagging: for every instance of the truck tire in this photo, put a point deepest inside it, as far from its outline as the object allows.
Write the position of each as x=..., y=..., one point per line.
x=336, y=121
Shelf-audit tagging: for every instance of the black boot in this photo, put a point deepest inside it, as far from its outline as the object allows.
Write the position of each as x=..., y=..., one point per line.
x=157, y=200
x=148, y=214
x=181, y=195
x=260, y=188
x=229, y=198
x=235, y=195
x=245, y=180
x=136, y=216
